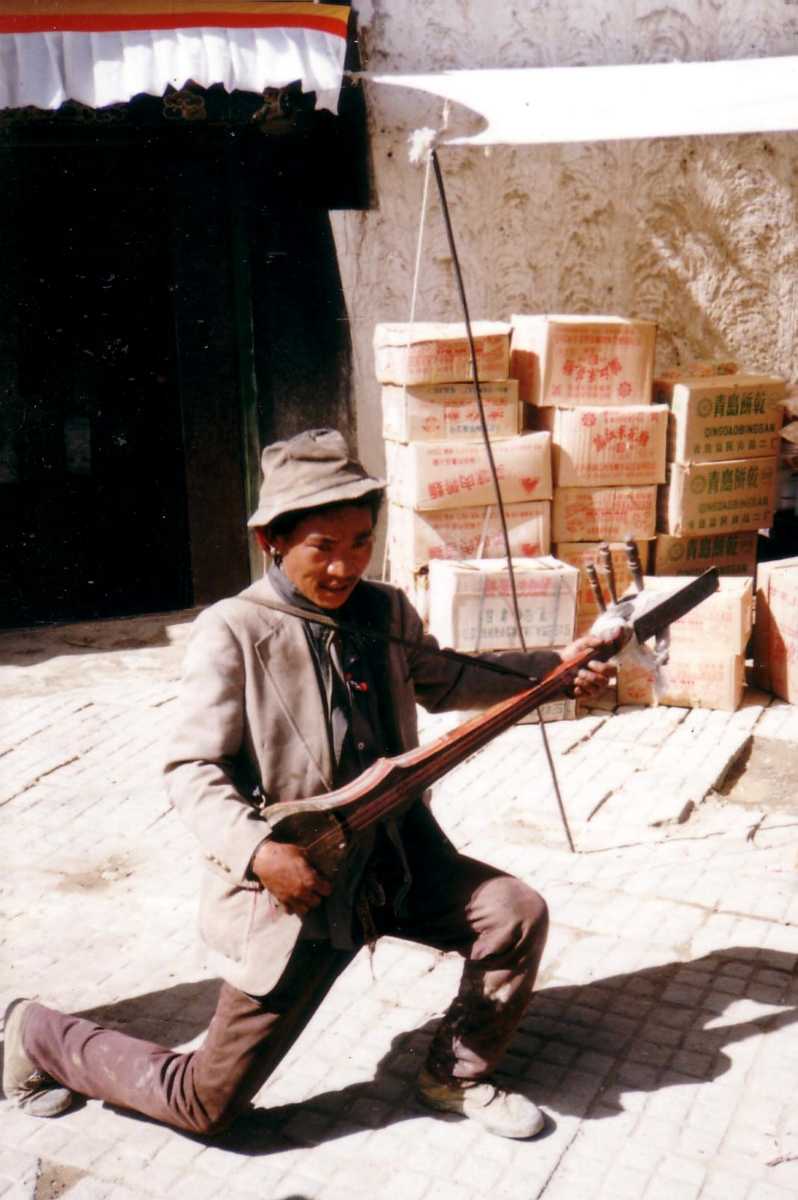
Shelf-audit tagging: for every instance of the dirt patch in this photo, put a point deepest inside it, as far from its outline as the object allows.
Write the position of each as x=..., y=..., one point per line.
x=764, y=776
x=54, y=1179
x=112, y=870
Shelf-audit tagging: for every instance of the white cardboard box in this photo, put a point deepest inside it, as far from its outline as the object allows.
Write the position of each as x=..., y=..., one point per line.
x=607, y=514
x=607, y=446
x=434, y=352
x=471, y=604
x=429, y=412
x=723, y=417
x=691, y=680
x=570, y=360
x=579, y=554
x=431, y=475
x=720, y=624
x=415, y=538
x=731, y=553
x=729, y=496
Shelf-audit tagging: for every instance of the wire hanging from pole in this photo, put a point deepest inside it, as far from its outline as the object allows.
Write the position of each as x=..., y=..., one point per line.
x=413, y=300
x=492, y=465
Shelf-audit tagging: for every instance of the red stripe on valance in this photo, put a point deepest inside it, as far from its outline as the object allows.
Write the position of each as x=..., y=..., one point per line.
x=108, y=23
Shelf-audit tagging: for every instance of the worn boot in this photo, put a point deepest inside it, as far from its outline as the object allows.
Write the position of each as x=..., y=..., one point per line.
x=507, y=1114
x=23, y=1083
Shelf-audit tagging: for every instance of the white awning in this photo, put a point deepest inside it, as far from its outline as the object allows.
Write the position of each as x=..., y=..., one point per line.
x=100, y=53
x=585, y=104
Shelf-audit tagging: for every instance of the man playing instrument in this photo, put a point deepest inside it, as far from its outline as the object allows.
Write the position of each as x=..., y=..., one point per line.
x=274, y=708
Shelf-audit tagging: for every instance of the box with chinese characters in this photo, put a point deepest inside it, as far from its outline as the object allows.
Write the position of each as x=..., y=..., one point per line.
x=438, y=411
x=415, y=538
x=579, y=555
x=569, y=360
x=776, y=628
x=731, y=553
x=609, y=514
x=607, y=446
x=724, y=497
x=689, y=680
x=430, y=475
x=722, y=418
x=471, y=606
x=720, y=624
x=432, y=352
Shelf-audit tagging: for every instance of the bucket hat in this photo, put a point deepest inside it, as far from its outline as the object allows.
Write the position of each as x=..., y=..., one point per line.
x=309, y=470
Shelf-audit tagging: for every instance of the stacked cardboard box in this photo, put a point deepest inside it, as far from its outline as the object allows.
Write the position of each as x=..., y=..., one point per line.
x=440, y=487
x=588, y=383
x=723, y=446
x=471, y=608
x=776, y=628
x=706, y=661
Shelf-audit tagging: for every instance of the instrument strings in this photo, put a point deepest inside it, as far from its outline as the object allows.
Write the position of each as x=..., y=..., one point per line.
x=450, y=754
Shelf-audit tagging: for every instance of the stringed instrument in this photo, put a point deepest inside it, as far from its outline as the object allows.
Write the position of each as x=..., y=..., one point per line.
x=325, y=825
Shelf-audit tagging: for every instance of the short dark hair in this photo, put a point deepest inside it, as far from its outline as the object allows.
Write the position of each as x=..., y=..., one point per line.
x=286, y=523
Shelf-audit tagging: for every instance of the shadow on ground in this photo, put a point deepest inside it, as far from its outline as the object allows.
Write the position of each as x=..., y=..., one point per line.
x=639, y=1031
x=31, y=646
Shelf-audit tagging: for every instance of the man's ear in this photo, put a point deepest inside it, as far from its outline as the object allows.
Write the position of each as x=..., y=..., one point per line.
x=263, y=541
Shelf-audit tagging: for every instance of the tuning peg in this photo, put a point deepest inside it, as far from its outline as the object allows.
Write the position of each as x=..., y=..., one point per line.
x=605, y=561
x=595, y=584
x=635, y=566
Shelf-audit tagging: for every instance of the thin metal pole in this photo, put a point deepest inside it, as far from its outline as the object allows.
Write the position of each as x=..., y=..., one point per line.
x=492, y=464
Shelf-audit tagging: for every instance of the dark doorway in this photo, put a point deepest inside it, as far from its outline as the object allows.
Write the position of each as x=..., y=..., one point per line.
x=169, y=300
x=92, y=502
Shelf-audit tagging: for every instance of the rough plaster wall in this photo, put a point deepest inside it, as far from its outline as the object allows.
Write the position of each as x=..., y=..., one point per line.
x=700, y=234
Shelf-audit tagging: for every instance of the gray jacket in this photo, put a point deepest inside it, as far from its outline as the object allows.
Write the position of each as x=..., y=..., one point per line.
x=252, y=718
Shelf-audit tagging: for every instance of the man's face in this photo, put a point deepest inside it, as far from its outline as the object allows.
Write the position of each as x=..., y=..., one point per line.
x=327, y=552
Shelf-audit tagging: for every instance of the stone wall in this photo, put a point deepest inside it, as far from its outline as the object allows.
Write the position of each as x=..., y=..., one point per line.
x=700, y=234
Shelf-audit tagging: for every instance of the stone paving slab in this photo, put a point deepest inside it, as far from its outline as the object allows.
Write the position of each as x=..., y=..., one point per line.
x=662, y=1041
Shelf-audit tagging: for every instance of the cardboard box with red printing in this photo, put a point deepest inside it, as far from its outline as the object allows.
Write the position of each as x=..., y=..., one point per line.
x=430, y=412
x=435, y=475
x=776, y=628
x=579, y=554
x=471, y=606
x=432, y=352
x=719, y=624
x=609, y=514
x=415, y=538
x=689, y=680
x=723, y=417
x=709, y=497
x=731, y=553
x=607, y=446
x=570, y=360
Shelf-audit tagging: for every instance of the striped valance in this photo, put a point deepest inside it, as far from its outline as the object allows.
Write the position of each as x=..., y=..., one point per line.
x=99, y=52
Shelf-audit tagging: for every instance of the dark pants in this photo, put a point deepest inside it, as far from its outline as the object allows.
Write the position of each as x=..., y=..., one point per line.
x=496, y=922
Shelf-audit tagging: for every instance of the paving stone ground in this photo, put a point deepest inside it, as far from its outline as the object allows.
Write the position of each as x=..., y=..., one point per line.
x=662, y=1041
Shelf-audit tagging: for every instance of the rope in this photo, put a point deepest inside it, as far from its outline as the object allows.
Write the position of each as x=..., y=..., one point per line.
x=491, y=463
